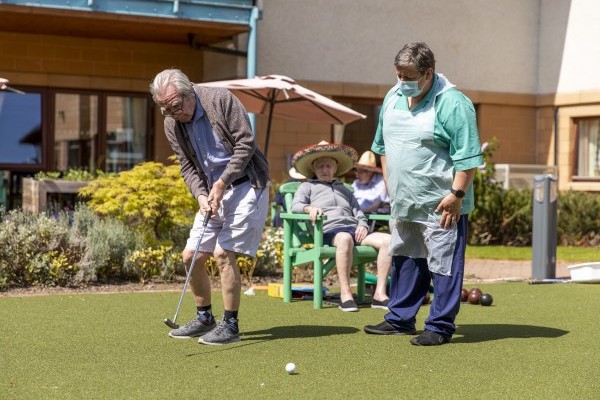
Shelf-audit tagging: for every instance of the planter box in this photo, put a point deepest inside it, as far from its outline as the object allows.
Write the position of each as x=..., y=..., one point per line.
x=39, y=195
x=586, y=272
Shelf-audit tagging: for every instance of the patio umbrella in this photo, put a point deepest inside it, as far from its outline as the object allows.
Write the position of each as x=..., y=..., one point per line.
x=280, y=96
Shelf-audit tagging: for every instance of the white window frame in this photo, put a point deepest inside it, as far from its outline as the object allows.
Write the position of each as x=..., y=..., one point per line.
x=587, y=161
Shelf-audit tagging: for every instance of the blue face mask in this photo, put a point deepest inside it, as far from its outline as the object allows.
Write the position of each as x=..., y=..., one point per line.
x=410, y=88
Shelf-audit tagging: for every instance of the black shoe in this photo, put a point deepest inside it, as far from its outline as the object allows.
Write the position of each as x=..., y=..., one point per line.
x=429, y=338
x=384, y=328
x=348, y=305
x=383, y=305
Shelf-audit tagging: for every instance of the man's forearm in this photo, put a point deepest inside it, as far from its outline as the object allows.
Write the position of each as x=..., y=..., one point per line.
x=462, y=179
x=384, y=170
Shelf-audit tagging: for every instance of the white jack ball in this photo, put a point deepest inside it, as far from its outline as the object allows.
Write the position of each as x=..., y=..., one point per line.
x=290, y=368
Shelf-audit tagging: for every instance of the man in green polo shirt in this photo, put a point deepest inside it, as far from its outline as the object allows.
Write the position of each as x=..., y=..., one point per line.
x=429, y=145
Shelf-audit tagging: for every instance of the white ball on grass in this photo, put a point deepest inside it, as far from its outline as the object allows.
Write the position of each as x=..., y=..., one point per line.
x=290, y=368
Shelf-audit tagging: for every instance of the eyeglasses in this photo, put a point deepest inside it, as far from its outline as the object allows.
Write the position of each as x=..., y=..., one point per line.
x=173, y=110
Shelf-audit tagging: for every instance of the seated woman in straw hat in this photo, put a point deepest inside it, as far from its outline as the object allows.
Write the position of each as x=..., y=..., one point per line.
x=346, y=225
x=369, y=186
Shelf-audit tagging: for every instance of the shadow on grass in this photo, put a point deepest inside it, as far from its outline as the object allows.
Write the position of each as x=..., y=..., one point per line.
x=284, y=332
x=486, y=332
x=298, y=331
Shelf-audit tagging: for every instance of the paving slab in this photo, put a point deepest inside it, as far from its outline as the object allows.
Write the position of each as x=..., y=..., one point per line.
x=491, y=270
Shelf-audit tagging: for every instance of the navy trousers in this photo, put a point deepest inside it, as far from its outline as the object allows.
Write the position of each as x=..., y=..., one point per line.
x=409, y=283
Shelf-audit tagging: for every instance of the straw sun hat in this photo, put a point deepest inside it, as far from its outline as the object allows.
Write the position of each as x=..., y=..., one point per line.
x=345, y=156
x=368, y=162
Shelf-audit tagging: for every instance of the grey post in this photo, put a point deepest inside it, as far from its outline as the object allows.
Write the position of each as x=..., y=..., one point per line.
x=545, y=206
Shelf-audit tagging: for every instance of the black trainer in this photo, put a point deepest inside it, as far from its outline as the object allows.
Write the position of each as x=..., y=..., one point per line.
x=429, y=338
x=384, y=328
x=348, y=306
x=383, y=305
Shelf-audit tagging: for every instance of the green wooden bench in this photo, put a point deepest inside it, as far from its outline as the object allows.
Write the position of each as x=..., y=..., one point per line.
x=303, y=244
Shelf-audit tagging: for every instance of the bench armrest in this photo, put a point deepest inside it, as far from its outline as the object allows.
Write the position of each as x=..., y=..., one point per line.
x=300, y=217
x=378, y=217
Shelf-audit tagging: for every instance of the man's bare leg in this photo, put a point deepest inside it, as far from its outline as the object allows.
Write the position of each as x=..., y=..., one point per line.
x=199, y=281
x=344, y=244
x=381, y=242
x=231, y=280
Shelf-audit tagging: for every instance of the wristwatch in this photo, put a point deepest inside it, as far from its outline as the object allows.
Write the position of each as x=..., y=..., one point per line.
x=458, y=193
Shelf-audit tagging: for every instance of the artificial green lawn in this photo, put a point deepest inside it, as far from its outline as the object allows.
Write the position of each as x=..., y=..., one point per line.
x=536, y=341
x=563, y=253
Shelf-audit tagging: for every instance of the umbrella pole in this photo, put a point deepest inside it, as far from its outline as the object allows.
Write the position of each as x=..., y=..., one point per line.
x=269, y=120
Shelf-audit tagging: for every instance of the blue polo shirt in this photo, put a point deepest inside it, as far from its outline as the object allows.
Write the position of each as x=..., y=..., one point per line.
x=211, y=153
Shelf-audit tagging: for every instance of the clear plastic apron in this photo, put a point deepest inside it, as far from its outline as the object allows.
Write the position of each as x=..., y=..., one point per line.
x=419, y=175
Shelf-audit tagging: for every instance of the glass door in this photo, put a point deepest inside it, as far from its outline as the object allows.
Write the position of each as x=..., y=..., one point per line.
x=21, y=129
x=126, y=132
x=75, y=131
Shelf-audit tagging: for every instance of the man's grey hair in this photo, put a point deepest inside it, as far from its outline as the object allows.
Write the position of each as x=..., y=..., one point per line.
x=171, y=77
x=416, y=55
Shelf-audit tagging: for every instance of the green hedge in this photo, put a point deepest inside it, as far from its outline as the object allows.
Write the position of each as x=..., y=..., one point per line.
x=504, y=217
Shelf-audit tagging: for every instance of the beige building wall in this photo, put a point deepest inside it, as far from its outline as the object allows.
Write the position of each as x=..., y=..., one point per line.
x=545, y=153
x=520, y=61
x=580, y=55
x=356, y=40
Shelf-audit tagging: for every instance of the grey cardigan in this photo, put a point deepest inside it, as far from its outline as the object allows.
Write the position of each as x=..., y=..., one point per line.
x=229, y=120
x=336, y=200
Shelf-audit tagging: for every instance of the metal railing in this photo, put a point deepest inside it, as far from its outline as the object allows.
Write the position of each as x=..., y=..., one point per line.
x=521, y=176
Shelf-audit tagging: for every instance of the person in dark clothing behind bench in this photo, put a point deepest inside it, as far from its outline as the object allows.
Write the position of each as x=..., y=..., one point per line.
x=209, y=131
x=345, y=224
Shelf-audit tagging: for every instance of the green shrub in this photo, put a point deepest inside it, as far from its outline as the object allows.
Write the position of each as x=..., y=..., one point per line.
x=211, y=268
x=505, y=217
x=107, y=243
x=247, y=265
x=486, y=219
x=43, y=175
x=152, y=198
x=72, y=174
x=4, y=279
x=270, y=252
x=578, y=219
x=149, y=262
x=52, y=268
x=517, y=213
x=29, y=244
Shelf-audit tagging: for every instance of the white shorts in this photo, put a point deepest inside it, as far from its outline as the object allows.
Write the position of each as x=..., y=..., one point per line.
x=238, y=225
